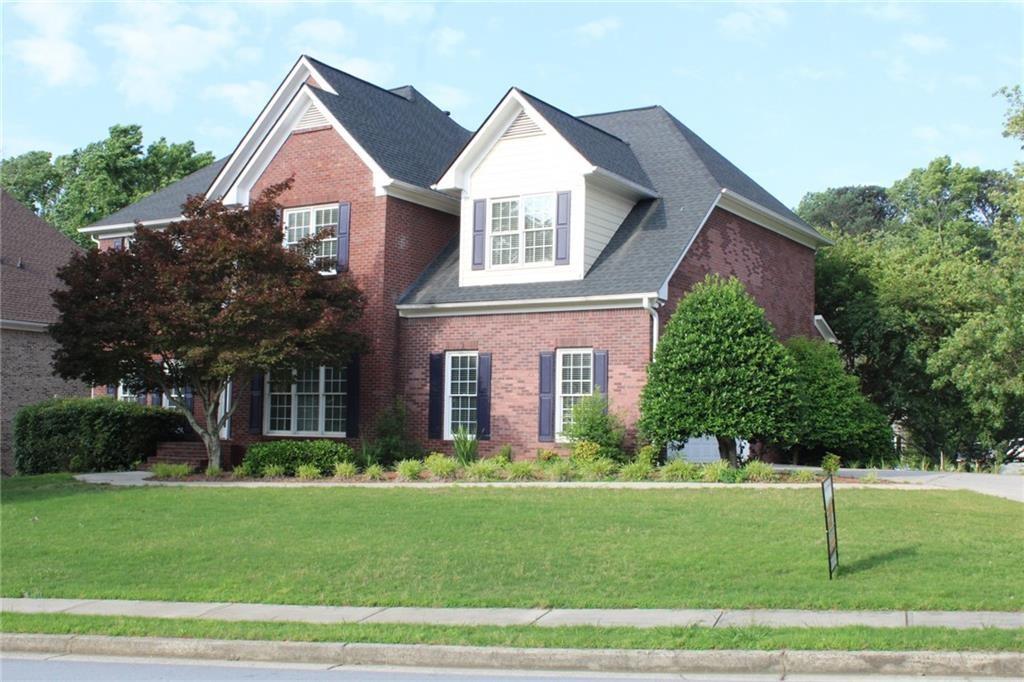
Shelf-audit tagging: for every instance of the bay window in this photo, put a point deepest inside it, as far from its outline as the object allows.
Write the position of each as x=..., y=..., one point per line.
x=303, y=223
x=308, y=400
x=522, y=230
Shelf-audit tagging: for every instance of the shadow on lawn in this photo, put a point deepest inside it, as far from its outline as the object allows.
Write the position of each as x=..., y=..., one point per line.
x=36, y=488
x=876, y=560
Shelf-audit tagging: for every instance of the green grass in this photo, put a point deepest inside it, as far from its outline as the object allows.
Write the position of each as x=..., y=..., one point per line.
x=724, y=548
x=699, y=638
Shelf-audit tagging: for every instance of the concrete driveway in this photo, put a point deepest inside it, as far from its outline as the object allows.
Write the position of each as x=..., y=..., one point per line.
x=1007, y=486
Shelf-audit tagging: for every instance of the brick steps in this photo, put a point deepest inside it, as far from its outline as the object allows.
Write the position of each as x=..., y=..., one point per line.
x=180, y=452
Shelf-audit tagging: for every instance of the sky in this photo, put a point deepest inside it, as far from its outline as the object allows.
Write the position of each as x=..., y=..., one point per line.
x=800, y=96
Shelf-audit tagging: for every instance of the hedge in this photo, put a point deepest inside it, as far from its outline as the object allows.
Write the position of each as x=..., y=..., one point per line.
x=90, y=434
x=291, y=454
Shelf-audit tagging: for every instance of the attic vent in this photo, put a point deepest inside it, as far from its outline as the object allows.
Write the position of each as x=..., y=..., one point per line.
x=313, y=118
x=523, y=126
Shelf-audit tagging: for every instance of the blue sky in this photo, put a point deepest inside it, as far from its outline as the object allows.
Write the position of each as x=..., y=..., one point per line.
x=800, y=96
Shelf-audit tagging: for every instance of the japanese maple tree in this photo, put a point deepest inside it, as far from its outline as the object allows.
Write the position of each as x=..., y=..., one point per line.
x=212, y=296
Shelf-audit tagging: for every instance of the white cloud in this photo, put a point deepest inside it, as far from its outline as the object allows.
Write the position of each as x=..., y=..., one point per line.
x=889, y=11
x=925, y=44
x=894, y=65
x=367, y=69
x=752, y=21
x=968, y=81
x=599, y=28
x=317, y=37
x=447, y=97
x=926, y=133
x=812, y=73
x=397, y=12
x=50, y=51
x=246, y=98
x=445, y=39
x=160, y=46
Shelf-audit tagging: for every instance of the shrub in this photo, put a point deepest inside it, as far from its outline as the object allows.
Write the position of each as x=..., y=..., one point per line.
x=243, y=470
x=374, y=472
x=90, y=434
x=544, y=455
x=391, y=443
x=273, y=471
x=803, y=476
x=291, y=454
x=505, y=454
x=870, y=477
x=713, y=472
x=165, y=470
x=585, y=451
x=345, y=469
x=520, y=471
x=732, y=475
x=830, y=463
x=213, y=471
x=441, y=466
x=598, y=469
x=484, y=470
x=592, y=421
x=307, y=472
x=648, y=453
x=560, y=470
x=368, y=454
x=636, y=471
x=409, y=469
x=465, y=446
x=679, y=470
x=761, y=472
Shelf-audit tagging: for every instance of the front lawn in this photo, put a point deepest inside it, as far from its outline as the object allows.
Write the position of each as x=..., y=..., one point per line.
x=727, y=548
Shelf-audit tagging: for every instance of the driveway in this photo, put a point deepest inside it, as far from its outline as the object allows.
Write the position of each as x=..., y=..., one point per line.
x=1007, y=486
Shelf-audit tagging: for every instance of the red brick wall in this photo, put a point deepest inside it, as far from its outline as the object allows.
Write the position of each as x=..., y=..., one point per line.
x=778, y=272
x=515, y=342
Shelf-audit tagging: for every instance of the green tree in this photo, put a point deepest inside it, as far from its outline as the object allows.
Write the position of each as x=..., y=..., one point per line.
x=850, y=210
x=81, y=187
x=830, y=414
x=211, y=297
x=1013, y=124
x=718, y=370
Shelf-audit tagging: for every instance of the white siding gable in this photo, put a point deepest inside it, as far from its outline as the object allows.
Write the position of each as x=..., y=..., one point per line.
x=605, y=211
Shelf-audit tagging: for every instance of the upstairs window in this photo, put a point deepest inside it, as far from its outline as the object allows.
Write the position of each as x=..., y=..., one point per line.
x=303, y=223
x=522, y=230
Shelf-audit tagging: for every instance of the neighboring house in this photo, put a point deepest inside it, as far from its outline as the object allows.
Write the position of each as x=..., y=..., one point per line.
x=508, y=272
x=31, y=251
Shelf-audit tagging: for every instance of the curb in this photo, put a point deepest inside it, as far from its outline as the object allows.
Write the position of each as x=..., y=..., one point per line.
x=937, y=663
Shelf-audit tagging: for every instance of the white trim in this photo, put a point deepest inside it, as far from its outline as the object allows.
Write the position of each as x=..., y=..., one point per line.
x=399, y=189
x=24, y=326
x=636, y=188
x=321, y=408
x=536, y=305
x=311, y=209
x=125, y=229
x=825, y=330
x=767, y=218
x=519, y=231
x=560, y=353
x=222, y=407
x=448, y=355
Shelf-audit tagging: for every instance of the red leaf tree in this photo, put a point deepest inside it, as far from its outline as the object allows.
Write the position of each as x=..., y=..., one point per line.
x=211, y=297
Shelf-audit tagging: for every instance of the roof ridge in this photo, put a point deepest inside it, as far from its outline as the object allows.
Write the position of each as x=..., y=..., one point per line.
x=622, y=111
x=563, y=111
x=355, y=78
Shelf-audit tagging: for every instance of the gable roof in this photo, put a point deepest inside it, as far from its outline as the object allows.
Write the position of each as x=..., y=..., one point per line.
x=689, y=177
x=31, y=251
x=165, y=204
x=599, y=147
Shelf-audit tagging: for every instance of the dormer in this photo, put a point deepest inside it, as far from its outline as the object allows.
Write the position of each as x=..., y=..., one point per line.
x=541, y=194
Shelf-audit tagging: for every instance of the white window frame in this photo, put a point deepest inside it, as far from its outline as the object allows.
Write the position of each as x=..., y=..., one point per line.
x=559, y=395
x=321, y=408
x=520, y=231
x=124, y=394
x=311, y=210
x=448, y=433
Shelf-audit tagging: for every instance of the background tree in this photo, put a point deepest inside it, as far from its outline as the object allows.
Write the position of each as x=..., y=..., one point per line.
x=850, y=210
x=211, y=297
x=81, y=187
x=718, y=371
x=830, y=414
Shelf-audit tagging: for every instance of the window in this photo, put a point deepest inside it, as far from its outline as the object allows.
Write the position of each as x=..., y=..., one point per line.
x=575, y=377
x=303, y=223
x=460, y=392
x=308, y=400
x=123, y=393
x=522, y=230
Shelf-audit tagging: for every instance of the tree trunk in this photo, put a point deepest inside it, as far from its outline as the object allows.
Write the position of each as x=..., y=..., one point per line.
x=211, y=434
x=727, y=450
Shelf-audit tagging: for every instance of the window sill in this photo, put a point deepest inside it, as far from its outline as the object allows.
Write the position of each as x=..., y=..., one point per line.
x=305, y=434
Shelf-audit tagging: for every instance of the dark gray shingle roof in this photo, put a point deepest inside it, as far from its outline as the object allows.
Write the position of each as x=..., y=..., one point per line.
x=166, y=203
x=687, y=174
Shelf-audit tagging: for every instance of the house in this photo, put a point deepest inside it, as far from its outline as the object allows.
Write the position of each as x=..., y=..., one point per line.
x=508, y=271
x=31, y=251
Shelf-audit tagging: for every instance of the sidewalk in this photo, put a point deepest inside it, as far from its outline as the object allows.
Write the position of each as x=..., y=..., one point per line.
x=642, y=618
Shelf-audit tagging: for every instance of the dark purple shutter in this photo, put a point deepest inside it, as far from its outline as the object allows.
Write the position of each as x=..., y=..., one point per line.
x=479, y=228
x=435, y=411
x=256, y=404
x=344, y=222
x=483, y=396
x=141, y=399
x=352, y=405
x=189, y=399
x=112, y=389
x=156, y=398
x=546, y=411
x=562, y=229
x=280, y=221
x=601, y=373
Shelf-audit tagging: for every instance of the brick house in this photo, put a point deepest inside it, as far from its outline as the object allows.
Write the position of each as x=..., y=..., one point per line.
x=31, y=251
x=508, y=271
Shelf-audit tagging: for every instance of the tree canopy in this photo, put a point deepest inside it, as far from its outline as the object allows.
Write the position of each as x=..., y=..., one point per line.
x=211, y=297
x=81, y=187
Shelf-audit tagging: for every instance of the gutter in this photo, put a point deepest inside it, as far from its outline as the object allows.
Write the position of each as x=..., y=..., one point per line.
x=527, y=305
x=655, y=323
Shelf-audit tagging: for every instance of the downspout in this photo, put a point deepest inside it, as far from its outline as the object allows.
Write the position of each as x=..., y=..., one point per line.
x=655, y=326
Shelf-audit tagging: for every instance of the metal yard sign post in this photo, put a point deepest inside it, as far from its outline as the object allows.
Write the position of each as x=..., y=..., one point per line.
x=828, y=497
